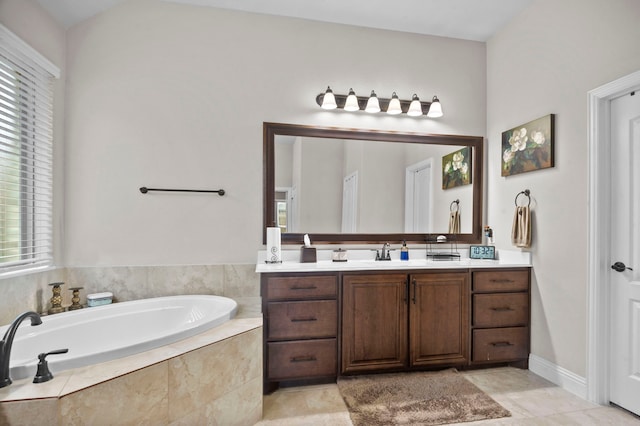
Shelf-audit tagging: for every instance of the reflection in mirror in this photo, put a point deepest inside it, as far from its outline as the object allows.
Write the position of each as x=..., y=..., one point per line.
x=355, y=186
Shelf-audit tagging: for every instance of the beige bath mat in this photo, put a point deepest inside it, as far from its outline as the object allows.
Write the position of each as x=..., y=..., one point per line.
x=420, y=398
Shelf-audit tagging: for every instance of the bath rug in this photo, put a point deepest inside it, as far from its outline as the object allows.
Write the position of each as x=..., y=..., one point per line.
x=419, y=398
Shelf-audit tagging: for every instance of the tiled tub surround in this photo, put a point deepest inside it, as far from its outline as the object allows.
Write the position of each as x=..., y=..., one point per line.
x=32, y=292
x=212, y=378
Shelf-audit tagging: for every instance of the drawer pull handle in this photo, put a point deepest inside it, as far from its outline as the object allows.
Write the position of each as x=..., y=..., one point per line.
x=501, y=280
x=303, y=319
x=307, y=358
x=501, y=344
x=503, y=309
x=311, y=287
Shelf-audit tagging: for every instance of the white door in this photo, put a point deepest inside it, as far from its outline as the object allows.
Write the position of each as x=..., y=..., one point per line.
x=625, y=252
x=417, y=210
x=349, y=203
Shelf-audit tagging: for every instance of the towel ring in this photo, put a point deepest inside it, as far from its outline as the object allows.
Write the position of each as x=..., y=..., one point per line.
x=457, y=203
x=527, y=194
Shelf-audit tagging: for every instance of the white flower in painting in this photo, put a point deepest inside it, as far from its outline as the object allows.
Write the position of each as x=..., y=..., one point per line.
x=538, y=138
x=447, y=167
x=457, y=160
x=518, y=140
x=465, y=168
x=508, y=155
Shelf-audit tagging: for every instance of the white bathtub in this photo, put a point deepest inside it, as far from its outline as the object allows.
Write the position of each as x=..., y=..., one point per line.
x=103, y=333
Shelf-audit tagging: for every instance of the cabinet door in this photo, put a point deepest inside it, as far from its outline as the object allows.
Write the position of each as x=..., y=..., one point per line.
x=374, y=322
x=439, y=318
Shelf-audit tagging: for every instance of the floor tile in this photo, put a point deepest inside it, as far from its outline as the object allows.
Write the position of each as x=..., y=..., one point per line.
x=531, y=400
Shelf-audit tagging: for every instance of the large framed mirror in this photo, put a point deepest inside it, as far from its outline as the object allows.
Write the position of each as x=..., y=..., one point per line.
x=365, y=186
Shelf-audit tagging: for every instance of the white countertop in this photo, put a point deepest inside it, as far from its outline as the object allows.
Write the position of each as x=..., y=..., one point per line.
x=364, y=260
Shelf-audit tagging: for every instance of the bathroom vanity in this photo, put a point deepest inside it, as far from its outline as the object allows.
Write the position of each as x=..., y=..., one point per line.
x=326, y=319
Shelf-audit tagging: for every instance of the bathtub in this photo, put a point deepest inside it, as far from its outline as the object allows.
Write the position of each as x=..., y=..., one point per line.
x=103, y=333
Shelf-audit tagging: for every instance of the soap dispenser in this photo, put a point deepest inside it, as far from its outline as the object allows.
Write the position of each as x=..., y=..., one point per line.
x=404, y=251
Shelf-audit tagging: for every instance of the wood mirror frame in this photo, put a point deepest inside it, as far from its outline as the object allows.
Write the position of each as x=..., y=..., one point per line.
x=270, y=130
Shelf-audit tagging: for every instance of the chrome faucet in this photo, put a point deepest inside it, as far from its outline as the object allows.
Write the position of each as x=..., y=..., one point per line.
x=7, y=342
x=385, y=254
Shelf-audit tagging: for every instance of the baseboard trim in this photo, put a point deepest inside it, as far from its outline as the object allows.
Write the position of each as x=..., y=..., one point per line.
x=562, y=377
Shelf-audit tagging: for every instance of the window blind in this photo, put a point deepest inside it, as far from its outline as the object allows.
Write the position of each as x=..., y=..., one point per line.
x=26, y=155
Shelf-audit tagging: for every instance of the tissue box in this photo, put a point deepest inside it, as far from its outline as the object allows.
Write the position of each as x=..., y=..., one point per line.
x=308, y=254
x=99, y=299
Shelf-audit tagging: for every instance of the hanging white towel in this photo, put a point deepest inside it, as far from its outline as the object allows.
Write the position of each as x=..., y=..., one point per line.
x=454, y=222
x=521, y=230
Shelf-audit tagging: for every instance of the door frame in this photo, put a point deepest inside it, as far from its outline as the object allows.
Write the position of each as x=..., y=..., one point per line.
x=599, y=246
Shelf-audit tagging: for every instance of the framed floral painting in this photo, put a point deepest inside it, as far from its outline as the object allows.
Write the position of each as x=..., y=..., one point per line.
x=456, y=168
x=528, y=147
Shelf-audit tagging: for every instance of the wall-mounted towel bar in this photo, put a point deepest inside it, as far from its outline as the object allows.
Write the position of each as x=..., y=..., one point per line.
x=144, y=190
x=527, y=194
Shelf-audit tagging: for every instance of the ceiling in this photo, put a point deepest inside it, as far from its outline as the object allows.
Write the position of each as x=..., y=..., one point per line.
x=465, y=19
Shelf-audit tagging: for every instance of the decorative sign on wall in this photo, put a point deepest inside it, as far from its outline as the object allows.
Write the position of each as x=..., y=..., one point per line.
x=456, y=168
x=528, y=147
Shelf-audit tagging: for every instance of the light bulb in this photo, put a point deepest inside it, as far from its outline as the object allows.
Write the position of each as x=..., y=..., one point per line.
x=352, y=102
x=415, y=108
x=372, y=104
x=394, y=105
x=435, y=109
x=329, y=101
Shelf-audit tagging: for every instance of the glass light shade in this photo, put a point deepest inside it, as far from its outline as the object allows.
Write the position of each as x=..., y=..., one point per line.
x=329, y=101
x=352, y=102
x=435, y=110
x=415, y=108
x=394, y=107
x=372, y=104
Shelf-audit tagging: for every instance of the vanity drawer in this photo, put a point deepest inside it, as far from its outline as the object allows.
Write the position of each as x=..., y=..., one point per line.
x=302, y=320
x=302, y=287
x=500, y=309
x=500, y=344
x=501, y=280
x=302, y=359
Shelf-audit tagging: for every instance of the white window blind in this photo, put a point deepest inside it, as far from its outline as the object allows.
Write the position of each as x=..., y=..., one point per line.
x=26, y=155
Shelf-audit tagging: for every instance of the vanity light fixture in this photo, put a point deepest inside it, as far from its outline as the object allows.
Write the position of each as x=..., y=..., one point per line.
x=435, y=110
x=415, y=108
x=351, y=104
x=329, y=100
x=372, y=104
x=393, y=106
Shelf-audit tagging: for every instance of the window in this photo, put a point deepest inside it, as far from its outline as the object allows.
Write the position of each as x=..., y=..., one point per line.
x=26, y=155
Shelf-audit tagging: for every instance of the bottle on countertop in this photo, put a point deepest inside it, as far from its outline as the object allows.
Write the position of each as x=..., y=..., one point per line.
x=404, y=251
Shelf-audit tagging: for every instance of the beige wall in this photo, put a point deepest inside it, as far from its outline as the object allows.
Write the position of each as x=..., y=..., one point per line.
x=545, y=61
x=170, y=95
x=157, y=95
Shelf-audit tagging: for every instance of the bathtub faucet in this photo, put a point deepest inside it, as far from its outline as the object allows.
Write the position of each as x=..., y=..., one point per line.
x=7, y=342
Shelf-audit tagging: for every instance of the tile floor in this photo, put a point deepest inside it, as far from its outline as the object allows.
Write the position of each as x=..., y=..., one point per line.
x=531, y=400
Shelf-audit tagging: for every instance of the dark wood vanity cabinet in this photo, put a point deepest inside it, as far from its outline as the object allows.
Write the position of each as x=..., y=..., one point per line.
x=398, y=321
x=300, y=327
x=500, y=321
x=321, y=325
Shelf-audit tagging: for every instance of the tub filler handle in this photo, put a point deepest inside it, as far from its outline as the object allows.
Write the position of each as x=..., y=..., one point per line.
x=43, y=374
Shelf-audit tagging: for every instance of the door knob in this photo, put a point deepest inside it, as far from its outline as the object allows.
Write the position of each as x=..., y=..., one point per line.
x=620, y=267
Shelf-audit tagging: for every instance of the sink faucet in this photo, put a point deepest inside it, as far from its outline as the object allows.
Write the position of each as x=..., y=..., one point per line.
x=385, y=255
x=7, y=342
